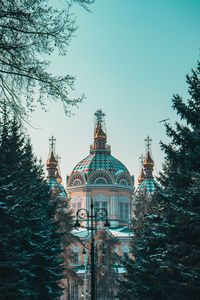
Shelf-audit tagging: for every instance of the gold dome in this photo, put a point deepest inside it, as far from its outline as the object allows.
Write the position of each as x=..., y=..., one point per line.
x=141, y=177
x=148, y=162
x=99, y=133
x=51, y=161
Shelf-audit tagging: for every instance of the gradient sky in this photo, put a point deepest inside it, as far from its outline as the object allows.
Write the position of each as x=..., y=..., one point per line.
x=129, y=57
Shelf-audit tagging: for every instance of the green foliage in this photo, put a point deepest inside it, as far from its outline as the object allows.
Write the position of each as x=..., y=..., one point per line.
x=166, y=229
x=31, y=264
x=30, y=31
x=107, y=258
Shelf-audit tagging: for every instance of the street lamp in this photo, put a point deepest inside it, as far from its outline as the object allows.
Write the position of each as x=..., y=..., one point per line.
x=92, y=218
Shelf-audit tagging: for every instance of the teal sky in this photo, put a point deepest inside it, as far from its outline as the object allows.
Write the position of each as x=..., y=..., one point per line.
x=129, y=58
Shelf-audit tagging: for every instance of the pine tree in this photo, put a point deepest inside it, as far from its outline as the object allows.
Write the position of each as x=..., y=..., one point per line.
x=65, y=218
x=31, y=262
x=140, y=278
x=166, y=238
x=180, y=180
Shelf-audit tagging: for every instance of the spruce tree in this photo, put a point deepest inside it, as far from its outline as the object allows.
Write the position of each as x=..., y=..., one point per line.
x=180, y=180
x=31, y=262
x=166, y=238
x=141, y=269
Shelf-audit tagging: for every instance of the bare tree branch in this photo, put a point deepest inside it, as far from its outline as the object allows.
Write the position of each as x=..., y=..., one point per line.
x=29, y=30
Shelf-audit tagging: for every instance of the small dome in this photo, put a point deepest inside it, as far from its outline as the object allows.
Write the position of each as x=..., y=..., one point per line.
x=141, y=177
x=148, y=162
x=51, y=160
x=148, y=187
x=99, y=133
x=57, y=188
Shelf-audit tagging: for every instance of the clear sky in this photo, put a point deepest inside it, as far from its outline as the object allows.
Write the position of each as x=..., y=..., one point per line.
x=129, y=57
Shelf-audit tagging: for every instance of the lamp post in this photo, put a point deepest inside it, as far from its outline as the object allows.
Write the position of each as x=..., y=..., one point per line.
x=92, y=218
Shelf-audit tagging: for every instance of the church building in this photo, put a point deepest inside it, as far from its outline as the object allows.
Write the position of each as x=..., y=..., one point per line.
x=104, y=181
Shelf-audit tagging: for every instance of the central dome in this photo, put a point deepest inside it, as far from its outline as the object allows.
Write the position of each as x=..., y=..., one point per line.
x=100, y=167
x=100, y=161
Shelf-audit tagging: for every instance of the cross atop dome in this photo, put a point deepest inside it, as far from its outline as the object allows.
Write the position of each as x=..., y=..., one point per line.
x=148, y=162
x=100, y=135
x=99, y=116
x=148, y=141
x=52, y=142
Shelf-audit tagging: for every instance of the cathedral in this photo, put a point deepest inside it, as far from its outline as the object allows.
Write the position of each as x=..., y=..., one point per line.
x=99, y=187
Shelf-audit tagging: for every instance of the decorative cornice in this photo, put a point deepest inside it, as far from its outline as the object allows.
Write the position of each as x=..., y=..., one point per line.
x=94, y=187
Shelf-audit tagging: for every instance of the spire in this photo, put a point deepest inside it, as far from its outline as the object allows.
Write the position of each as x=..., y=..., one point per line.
x=148, y=162
x=142, y=175
x=58, y=177
x=52, y=163
x=100, y=137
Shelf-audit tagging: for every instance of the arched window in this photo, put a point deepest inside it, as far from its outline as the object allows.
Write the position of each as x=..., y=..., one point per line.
x=77, y=182
x=123, y=182
x=100, y=178
x=100, y=181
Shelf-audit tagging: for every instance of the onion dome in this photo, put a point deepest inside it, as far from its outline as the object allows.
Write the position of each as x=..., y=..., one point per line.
x=147, y=183
x=51, y=165
x=141, y=177
x=53, y=177
x=99, y=133
x=148, y=165
x=57, y=188
x=99, y=138
x=147, y=188
x=100, y=167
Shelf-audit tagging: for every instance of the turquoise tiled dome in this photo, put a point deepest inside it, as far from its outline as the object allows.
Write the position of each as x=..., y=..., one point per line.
x=58, y=188
x=100, y=167
x=149, y=187
x=100, y=161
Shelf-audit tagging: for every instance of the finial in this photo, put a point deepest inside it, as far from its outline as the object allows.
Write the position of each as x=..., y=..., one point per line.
x=141, y=158
x=58, y=158
x=99, y=116
x=51, y=162
x=148, y=141
x=52, y=141
x=148, y=162
x=100, y=136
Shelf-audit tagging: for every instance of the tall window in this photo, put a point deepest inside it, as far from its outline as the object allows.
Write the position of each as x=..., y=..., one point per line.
x=73, y=291
x=75, y=258
x=123, y=211
x=98, y=205
x=75, y=207
x=105, y=205
x=126, y=211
